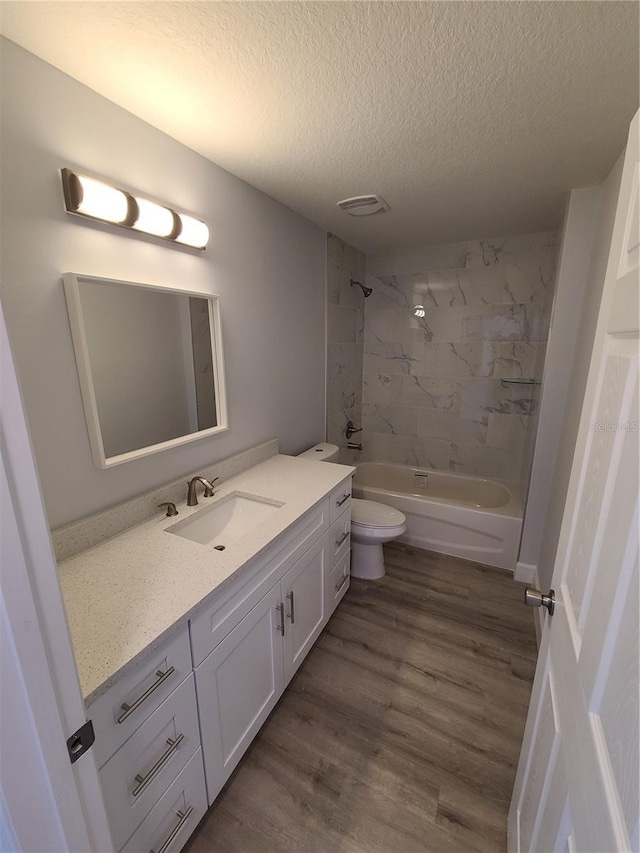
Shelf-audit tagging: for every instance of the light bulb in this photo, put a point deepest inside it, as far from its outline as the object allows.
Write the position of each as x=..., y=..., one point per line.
x=102, y=201
x=153, y=218
x=418, y=311
x=193, y=233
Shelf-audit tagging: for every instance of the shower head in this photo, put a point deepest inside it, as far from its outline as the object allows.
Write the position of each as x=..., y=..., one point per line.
x=366, y=290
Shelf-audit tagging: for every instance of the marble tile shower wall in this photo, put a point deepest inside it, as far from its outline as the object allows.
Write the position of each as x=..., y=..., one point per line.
x=345, y=338
x=444, y=326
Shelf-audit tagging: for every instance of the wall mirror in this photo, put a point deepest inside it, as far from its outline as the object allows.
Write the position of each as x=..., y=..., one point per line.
x=150, y=365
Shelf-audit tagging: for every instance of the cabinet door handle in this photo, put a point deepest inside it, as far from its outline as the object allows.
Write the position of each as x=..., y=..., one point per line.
x=143, y=781
x=344, y=499
x=129, y=709
x=343, y=581
x=280, y=627
x=343, y=538
x=184, y=817
x=292, y=614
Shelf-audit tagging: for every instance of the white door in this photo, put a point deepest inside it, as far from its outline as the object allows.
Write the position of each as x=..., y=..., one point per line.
x=238, y=685
x=303, y=593
x=577, y=782
x=45, y=802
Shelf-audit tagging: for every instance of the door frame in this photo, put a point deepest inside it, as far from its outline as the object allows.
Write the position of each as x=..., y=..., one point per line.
x=34, y=619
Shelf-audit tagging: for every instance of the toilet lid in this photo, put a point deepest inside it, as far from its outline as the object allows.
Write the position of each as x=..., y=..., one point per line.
x=375, y=514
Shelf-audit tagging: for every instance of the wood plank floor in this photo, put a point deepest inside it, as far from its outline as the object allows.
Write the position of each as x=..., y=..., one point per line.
x=401, y=731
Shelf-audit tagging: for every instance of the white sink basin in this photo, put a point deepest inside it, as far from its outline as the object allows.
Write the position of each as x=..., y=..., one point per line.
x=226, y=521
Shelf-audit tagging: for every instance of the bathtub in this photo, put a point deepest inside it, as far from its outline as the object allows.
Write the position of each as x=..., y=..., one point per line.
x=471, y=517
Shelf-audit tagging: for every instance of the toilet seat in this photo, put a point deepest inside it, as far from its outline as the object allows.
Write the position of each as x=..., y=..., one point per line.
x=374, y=514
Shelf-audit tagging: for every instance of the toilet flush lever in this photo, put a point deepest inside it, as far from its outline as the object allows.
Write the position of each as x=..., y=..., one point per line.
x=534, y=598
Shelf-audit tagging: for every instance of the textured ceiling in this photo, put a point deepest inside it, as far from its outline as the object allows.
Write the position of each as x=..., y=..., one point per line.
x=471, y=119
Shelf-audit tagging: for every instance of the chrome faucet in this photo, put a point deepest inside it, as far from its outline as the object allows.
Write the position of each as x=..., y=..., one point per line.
x=192, y=497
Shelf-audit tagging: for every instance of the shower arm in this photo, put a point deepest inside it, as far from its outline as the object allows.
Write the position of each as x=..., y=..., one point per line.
x=366, y=290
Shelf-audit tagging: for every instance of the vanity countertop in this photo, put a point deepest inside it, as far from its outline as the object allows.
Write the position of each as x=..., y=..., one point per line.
x=127, y=594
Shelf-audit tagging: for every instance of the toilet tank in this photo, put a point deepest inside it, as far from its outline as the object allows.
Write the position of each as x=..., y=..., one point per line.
x=322, y=452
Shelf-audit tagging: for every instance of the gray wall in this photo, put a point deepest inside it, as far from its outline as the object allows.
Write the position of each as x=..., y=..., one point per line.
x=266, y=262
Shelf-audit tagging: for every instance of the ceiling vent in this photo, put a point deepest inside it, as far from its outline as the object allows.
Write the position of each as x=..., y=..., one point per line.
x=363, y=205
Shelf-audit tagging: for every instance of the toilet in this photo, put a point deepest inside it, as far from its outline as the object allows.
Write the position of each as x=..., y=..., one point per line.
x=372, y=524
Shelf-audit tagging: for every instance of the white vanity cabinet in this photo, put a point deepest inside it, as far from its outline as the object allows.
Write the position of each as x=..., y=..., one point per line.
x=242, y=678
x=240, y=681
x=188, y=710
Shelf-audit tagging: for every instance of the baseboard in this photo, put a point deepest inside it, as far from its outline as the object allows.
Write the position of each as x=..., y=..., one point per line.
x=525, y=572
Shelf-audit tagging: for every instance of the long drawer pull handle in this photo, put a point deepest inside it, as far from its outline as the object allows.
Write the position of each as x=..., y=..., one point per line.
x=280, y=627
x=143, y=781
x=343, y=538
x=339, y=586
x=184, y=817
x=344, y=499
x=292, y=613
x=129, y=709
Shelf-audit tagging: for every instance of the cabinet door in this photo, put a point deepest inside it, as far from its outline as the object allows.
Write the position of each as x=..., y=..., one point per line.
x=237, y=686
x=303, y=593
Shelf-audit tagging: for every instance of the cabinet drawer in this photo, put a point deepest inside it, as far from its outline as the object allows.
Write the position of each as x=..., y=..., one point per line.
x=143, y=768
x=340, y=499
x=176, y=814
x=338, y=580
x=338, y=539
x=142, y=690
x=212, y=625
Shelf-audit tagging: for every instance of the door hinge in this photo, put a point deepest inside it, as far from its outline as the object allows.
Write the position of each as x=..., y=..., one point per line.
x=81, y=741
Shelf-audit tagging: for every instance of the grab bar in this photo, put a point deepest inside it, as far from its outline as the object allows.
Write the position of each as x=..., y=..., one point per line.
x=519, y=382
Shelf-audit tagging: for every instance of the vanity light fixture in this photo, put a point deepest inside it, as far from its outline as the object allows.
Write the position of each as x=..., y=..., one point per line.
x=95, y=199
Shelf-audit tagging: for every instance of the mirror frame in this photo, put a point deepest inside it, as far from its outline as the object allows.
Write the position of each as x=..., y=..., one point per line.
x=71, y=283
